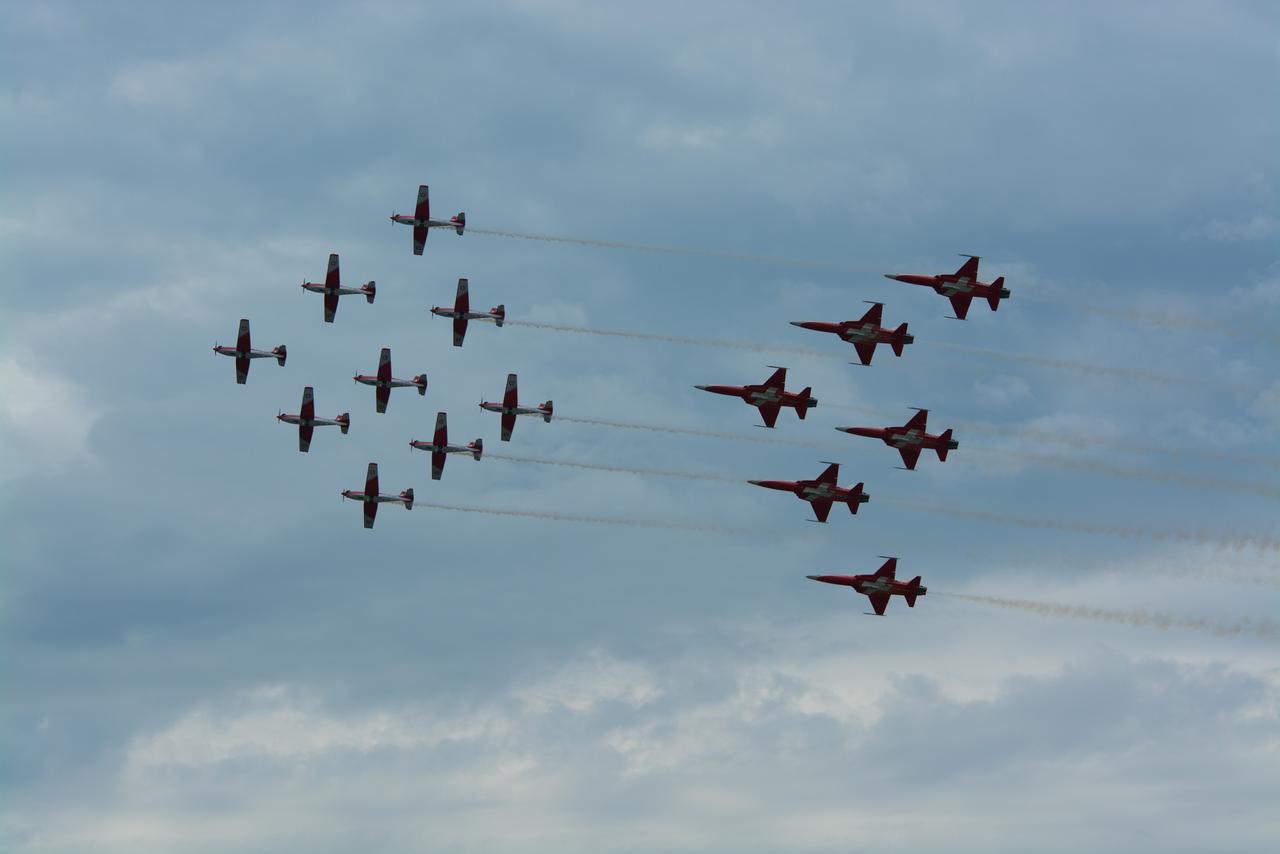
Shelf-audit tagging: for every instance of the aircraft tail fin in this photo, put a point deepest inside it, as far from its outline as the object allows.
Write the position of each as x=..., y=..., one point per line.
x=899, y=339
x=407, y=498
x=460, y=222
x=370, y=291
x=547, y=409
x=281, y=353
x=499, y=313
x=998, y=293
x=945, y=440
x=857, y=499
x=803, y=408
x=477, y=449
x=913, y=590
x=344, y=422
x=421, y=382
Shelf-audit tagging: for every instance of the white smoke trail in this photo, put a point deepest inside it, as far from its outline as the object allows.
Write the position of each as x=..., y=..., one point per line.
x=686, y=431
x=1145, y=619
x=618, y=469
x=1236, y=542
x=719, y=343
x=1088, y=368
x=593, y=520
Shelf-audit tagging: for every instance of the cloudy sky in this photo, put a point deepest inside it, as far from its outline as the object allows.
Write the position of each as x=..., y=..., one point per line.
x=203, y=650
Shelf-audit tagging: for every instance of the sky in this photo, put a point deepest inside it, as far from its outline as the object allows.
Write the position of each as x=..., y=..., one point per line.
x=201, y=649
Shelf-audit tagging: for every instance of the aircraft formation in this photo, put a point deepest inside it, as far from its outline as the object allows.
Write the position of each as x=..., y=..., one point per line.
x=769, y=397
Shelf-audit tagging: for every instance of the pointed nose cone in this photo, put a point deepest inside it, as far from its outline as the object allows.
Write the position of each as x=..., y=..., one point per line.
x=893, y=276
x=814, y=577
x=701, y=387
x=756, y=482
x=797, y=323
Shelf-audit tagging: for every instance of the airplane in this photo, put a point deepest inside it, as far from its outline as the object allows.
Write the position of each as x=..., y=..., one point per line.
x=332, y=289
x=440, y=448
x=461, y=313
x=820, y=492
x=879, y=586
x=372, y=497
x=421, y=220
x=307, y=421
x=510, y=408
x=910, y=439
x=383, y=382
x=769, y=397
x=960, y=287
x=244, y=353
x=864, y=334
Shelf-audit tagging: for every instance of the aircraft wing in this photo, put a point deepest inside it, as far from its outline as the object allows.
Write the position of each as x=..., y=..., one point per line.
x=242, y=337
x=821, y=508
x=874, y=314
x=462, y=302
x=777, y=380
x=960, y=304
x=969, y=269
x=384, y=364
x=866, y=349
x=831, y=474
x=441, y=437
x=330, y=306
x=769, y=412
x=879, y=601
x=242, y=368
x=918, y=421
x=910, y=456
x=331, y=276
x=304, y=436
x=370, y=513
x=381, y=395
x=508, y=424
x=308, y=410
x=459, y=329
x=422, y=208
x=509, y=396
x=419, y=239
x=371, y=481
x=437, y=464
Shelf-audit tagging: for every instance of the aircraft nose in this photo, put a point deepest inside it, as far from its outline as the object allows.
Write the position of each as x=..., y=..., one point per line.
x=755, y=482
x=814, y=577
x=891, y=275
x=701, y=387
x=797, y=323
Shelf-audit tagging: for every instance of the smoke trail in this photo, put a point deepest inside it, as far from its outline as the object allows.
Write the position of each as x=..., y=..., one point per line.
x=1161, y=320
x=1145, y=619
x=619, y=469
x=680, y=250
x=685, y=431
x=720, y=343
x=1088, y=368
x=593, y=520
x=1237, y=542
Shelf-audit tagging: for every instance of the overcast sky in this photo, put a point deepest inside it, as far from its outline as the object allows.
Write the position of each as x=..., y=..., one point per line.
x=203, y=650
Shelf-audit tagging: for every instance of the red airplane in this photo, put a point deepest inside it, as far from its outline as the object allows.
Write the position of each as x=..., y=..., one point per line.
x=383, y=382
x=332, y=289
x=864, y=334
x=243, y=352
x=372, y=497
x=510, y=408
x=461, y=313
x=821, y=492
x=770, y=396
x=910, y=439
x=960, y=287
x=880, y=586
x=440, y=448
x=307, y=421
x=421, y=220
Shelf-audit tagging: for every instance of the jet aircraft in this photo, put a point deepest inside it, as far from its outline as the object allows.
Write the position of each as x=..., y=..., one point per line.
x=332, y=289
x=910, y=439
x=421, y=220
x=440, y=448
x=461, y=313
x=243, y=352
x=307, y=421
x=960, y=287
x=879, y=586
x=770, y=396
x=864, y=334
x=510, y=408
x=383, y=382
x=820, y=492
x=372, y=497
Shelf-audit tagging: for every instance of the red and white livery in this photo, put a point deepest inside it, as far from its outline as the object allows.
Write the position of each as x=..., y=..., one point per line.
x=383, y=382
x=462, y=313
x=332, y=289
x=307, y=421
x=879, y=586
x=422, y=221
x=243, y=352
x=770, y=396
x=960, y=287
x=910, y=439
x=821, y=492
x=440, y=448
x=510, y=408
x=371, y=497
x=865, y=333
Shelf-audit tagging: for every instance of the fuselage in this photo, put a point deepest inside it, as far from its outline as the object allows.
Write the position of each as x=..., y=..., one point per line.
x=897, y=437
x=245, y=354
x=320, y=288
x=405, y=219
x=810, y=490
x=949, y=284
x=307, y=422
x=512, y=410
x=869, y=584
x=376, y=498
x=469, y=315
x=758, y=395
x=442, y=449
x=366, y=379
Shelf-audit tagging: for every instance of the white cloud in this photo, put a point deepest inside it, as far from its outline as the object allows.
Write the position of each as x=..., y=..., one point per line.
x=45, y=421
